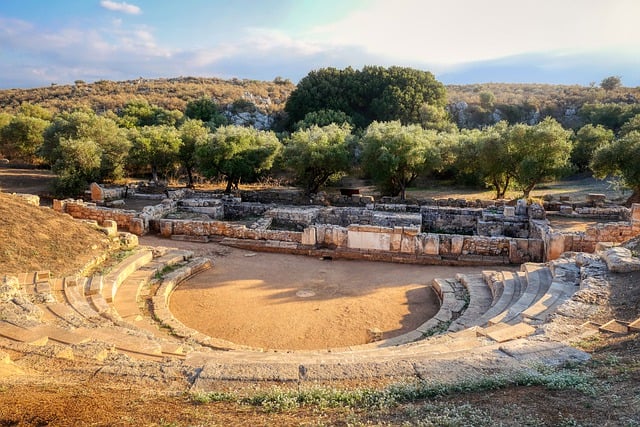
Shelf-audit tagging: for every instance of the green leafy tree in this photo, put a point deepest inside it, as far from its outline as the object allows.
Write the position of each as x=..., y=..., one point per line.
x=630, y=125
x=207, y=110
x=394, y=155
x=611, y=83
x=238, y=153
x=323, y=118
x=488, y=156
x=86, y=125
x=156, y=148
x=139, y=113
x=620, y=158
x=22, y=138
x=192, y=133
x=609, y=115
x=373, y=93
x=436, y=118
x=542, y=151
x=587, y=140
x=487, y=100
x=77, y=163
x=316, y=154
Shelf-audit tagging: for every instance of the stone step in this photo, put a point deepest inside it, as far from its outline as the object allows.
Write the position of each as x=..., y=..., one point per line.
x=124, y=340
x=74, y=294
x=23, y=335
x=615, y=326
x=103, y=308
x=66, y=313
x=126, y=299
x=557, y=294
x=114, y=279
x=480, y=300
x=537, y=282
x=502, y=332
x=503, y=302
x=494, y=279
x=449, y=304
x=63, y=336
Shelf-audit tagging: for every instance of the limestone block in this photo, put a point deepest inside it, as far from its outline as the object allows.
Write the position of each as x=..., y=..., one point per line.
x=536, y=250
x=456, y=245
x=408, y=244
x=521, y=207
x=431, y=244
x=110, y=227
x=368, y=240
x=596, y=199
x=136, y=226
x=166, y=228
x=621, y=260
x=396, y=239
x=309, y=236
x=566, y=209
x=340, y=236
x=635, y=212
x=509, y=211
x=97, y=195
x=555, y=246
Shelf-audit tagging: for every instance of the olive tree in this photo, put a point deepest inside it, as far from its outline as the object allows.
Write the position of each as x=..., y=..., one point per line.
x=156, y=148
x=317, y=153
x=541, y=151
x=587, y=140
x=620, y=158
x=238, y=153
x=193, y=133
x=87, y=125
x=394, y=155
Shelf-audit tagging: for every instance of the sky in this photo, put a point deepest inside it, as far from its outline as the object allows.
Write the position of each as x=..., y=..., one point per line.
x=460, y=41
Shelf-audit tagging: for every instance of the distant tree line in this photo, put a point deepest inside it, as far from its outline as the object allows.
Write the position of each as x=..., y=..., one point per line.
x=389, y=125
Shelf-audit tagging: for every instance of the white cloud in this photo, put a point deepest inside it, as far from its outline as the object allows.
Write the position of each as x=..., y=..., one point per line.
x=123, y=7
x=452, y=32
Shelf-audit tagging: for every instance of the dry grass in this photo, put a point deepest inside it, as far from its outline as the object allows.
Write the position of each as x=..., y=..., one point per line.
x=35, y=239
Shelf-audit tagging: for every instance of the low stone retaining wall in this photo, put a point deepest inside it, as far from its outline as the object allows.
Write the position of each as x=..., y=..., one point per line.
x=558, y=242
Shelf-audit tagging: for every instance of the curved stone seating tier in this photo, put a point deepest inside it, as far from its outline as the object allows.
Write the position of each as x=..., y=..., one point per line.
x=484, y=320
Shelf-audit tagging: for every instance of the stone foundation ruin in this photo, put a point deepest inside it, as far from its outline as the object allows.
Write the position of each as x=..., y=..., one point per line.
x=431, y=232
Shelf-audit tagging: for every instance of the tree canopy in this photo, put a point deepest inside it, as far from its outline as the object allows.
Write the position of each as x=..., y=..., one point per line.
x=542, y=151
x=620, y=158
x=317, y=153
x=238, y=153
x=394, y=155
x=371, y=94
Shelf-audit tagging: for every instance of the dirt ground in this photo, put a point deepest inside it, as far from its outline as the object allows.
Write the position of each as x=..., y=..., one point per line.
x=29, y=181
x=294, y=302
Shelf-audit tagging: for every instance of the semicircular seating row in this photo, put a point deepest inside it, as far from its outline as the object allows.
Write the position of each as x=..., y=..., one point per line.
x=479, y=313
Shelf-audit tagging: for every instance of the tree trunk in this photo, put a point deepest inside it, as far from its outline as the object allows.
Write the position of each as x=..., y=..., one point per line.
x=154, y=173
x=189, y=178
x=229, y=184
x=634, y=198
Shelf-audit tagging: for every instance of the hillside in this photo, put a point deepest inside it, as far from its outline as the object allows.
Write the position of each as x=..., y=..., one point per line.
x=36, y=239
x=173, y=93
x=513, y=100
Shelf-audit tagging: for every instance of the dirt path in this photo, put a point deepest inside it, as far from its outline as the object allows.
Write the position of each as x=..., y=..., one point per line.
x=280, y=301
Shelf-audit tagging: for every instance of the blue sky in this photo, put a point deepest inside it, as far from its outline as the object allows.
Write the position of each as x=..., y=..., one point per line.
x=463, y=41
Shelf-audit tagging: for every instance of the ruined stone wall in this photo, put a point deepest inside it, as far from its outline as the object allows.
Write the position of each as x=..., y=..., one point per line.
x=205, y=229
x=82, y=210
x=558, y=242
x=410, y=241
x=346, y=216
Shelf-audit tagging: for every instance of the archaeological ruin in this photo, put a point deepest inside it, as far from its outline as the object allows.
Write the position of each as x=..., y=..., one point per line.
x=526, y=306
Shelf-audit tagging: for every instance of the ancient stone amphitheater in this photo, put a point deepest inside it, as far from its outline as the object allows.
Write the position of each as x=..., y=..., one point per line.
x=499, y=321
